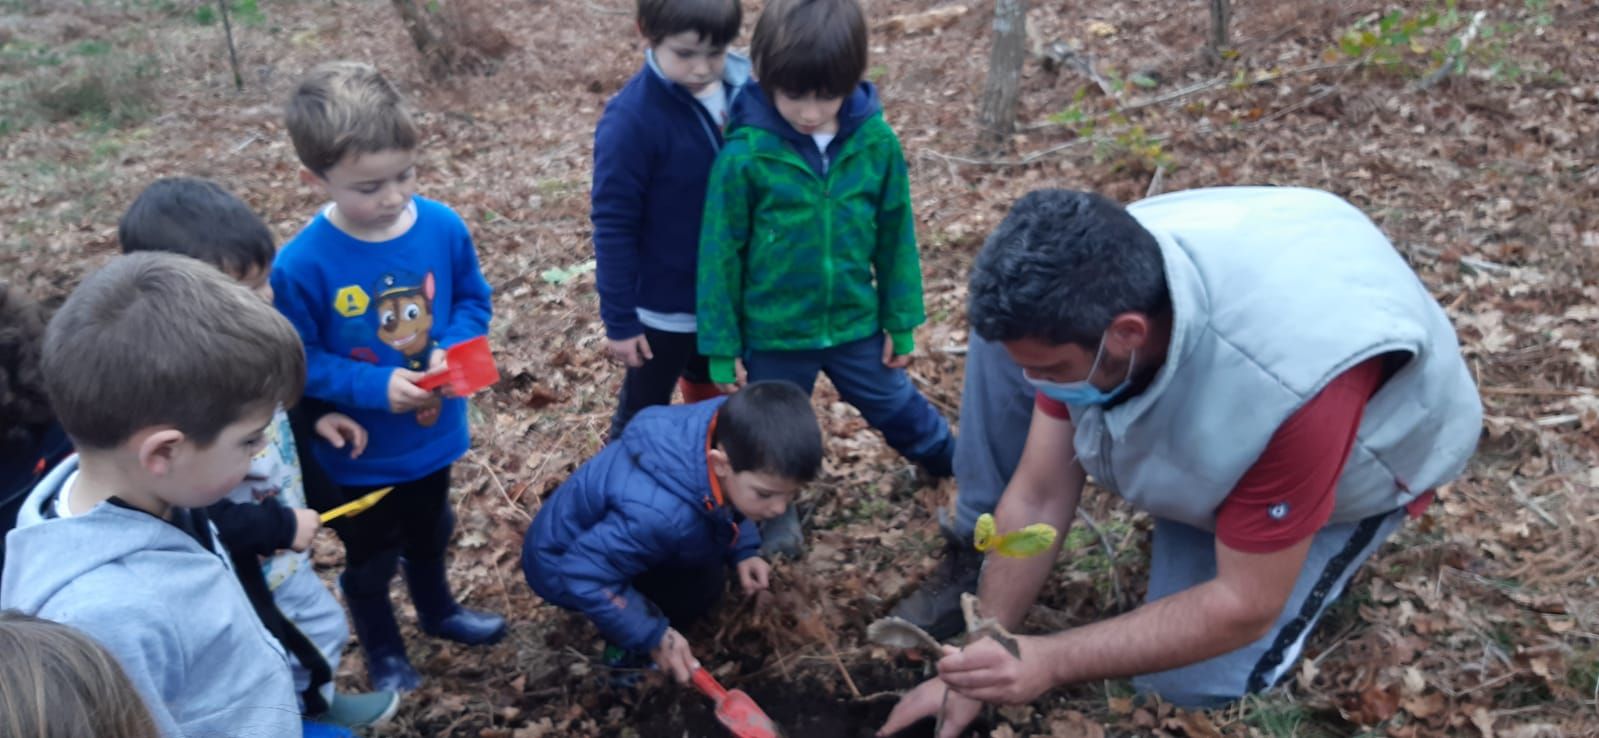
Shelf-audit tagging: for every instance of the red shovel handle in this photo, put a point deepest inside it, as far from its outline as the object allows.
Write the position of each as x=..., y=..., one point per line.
x=708, y=686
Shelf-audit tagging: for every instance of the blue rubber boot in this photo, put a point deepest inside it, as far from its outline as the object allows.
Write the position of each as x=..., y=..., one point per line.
x=440, y=615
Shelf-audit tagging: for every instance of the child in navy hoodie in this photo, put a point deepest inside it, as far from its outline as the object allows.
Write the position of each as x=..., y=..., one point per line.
x=653, y=150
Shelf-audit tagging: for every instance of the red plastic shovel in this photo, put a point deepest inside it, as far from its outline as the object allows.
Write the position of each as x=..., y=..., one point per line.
x=736, y=711
x=468, y=367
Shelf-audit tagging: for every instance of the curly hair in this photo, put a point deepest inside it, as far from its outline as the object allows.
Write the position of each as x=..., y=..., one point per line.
x=24, y=408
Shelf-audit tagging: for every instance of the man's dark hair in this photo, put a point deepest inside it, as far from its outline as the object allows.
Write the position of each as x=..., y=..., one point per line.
x=805, y=46
x=1061, y=266
x=769, y=427
x=716, y=21
x=199, y=219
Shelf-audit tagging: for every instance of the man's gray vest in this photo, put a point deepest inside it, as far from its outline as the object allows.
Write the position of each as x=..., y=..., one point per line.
x=1275, y=292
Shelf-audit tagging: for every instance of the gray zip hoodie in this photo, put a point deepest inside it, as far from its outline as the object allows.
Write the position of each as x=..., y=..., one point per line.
x=170, y=610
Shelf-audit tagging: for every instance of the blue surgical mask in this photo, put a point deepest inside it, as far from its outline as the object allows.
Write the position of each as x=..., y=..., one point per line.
x=1083, y=393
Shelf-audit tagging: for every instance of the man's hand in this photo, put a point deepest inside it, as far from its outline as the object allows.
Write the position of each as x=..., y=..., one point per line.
x=986, y=671
x=674, y=657
x=341, y=430
x=629, y=352
x=754, y=574
x=404, y=395
x=890, y=360
x=306, y=524
x=924, y=702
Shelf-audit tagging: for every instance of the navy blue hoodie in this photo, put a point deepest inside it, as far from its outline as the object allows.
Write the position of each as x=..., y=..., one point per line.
x=653, y=150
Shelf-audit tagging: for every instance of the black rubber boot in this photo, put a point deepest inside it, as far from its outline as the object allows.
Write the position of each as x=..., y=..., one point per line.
x=440, y=615
x=936, y=606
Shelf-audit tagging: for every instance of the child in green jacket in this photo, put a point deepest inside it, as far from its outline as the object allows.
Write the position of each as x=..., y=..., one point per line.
x=808, y=255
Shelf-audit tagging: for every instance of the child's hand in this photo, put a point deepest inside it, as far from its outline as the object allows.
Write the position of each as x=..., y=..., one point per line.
x=404, y=395
x=437, y=360
x=890, y=360
x=339, y=429
x=674, y=657
x=739, y=381
x=306, y=524
x=630, y=352
x=755, y=574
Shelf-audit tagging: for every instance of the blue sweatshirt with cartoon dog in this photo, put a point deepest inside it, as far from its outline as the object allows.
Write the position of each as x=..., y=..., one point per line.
x=364, y=309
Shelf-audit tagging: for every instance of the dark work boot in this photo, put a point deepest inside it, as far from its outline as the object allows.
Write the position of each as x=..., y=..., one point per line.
x=936, y=606
x=940, y=462
x=781, y=536
x=386, y=663
x=440, y=615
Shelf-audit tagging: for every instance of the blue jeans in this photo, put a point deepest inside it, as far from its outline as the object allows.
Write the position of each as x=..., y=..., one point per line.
x=996, y=409
x=1182, y=557
x=885, y=397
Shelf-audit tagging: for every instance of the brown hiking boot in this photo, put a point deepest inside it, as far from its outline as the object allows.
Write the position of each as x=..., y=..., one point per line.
x=936, y=606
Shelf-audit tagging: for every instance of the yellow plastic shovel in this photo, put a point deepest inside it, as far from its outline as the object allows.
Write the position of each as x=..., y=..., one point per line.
x=356, y=506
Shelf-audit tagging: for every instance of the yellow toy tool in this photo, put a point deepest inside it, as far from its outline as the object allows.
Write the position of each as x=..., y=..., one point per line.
x=1017, y=544
x=357, y=506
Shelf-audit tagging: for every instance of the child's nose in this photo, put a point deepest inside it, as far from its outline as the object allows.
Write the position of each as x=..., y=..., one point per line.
x=392, y=196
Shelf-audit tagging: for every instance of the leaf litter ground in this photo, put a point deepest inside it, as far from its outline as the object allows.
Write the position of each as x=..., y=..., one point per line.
x=1480, y=620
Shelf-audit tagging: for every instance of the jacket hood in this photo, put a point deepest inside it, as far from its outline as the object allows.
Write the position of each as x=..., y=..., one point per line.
x=44, y=555
x=670, y=448
x=753, y=108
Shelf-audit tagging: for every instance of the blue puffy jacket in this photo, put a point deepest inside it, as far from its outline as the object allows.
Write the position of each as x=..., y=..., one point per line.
x=644, y=502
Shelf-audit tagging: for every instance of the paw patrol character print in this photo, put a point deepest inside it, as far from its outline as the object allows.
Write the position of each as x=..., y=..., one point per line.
x=404, y=310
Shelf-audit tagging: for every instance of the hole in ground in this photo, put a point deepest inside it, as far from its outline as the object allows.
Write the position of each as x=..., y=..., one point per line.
x=807, y=707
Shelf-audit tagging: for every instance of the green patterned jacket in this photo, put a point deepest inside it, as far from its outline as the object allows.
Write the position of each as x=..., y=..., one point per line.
x=793, y=260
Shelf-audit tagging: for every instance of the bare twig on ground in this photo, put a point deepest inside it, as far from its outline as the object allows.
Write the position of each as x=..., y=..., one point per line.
x=233, y=52
x=1531, y=504
x=1157, y=183
x=1444, y=70
x=1536, y=391
x=598, y=8
x=839, y=662
x=498, y=485
x=1176, y=94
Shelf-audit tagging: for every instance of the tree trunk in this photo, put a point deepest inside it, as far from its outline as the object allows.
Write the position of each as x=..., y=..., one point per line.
x=429, y=42
x=998, y=110
x=1221, y=16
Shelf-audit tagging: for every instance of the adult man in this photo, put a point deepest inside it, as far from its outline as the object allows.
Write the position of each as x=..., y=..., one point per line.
x=1256, y=368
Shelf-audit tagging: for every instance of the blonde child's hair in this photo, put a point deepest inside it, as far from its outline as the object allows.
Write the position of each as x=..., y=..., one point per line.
x=56, y=682
x=342, y=108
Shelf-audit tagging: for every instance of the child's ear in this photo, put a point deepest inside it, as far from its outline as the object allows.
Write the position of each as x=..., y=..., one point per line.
x=310, y=178
x=720, y=466
x=158, y=449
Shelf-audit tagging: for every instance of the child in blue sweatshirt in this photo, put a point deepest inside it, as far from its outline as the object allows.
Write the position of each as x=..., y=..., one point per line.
x=640, y=537
x=378, y=284
x=653, y=150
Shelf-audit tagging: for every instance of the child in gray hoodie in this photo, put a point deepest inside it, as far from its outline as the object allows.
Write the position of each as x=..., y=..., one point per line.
x=165, y=374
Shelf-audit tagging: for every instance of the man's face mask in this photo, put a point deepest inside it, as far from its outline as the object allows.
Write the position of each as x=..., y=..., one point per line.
x=1082, y=392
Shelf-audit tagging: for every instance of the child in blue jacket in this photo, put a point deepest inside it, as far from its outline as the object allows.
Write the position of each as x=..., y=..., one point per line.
x=639, y=538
